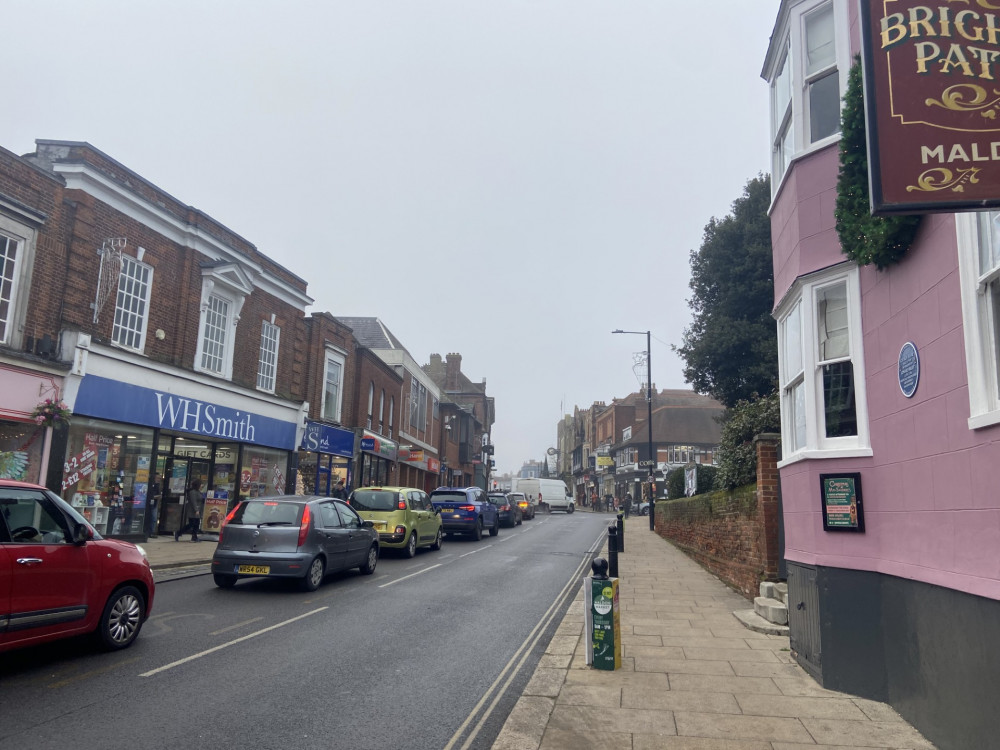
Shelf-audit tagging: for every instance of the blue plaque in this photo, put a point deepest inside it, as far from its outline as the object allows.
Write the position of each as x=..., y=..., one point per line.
x=909, y=369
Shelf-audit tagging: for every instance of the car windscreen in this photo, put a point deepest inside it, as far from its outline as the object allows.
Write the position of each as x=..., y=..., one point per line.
x=374, y=500
x=267, y=513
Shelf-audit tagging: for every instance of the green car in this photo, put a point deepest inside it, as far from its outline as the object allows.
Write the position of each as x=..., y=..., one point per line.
x=403, y=517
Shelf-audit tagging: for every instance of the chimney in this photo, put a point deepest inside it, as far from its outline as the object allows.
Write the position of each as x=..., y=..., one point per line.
x=454, y=369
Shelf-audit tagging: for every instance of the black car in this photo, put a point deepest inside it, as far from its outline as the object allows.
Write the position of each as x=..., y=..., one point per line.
x=510, y=512
x=293, y=536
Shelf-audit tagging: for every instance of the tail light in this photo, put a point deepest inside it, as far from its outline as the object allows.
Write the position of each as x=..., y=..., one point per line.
x=304, y=526
x=401, y=505
x=400, y=529
x=504, y=507
x=227, y=520
x=469, y=508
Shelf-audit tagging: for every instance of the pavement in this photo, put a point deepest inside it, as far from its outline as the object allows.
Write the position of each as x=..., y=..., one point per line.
x=692, y=677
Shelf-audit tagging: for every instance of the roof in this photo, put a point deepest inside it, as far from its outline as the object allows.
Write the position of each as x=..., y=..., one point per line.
x=372, y=333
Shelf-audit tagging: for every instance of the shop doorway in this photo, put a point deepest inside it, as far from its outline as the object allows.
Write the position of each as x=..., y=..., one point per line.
x=178, y=472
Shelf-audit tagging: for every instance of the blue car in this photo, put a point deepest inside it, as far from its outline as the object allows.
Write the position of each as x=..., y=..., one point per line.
x=466, y=510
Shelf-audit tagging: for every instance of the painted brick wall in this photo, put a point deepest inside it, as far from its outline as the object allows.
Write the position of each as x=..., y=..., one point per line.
x=733, y=534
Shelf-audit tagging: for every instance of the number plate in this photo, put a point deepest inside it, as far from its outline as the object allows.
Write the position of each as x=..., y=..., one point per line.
x=254, y=570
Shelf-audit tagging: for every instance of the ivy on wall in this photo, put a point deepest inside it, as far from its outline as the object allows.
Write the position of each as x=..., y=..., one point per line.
x=865, y=239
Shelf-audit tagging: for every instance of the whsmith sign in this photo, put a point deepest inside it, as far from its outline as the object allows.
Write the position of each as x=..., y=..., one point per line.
x=932, y=101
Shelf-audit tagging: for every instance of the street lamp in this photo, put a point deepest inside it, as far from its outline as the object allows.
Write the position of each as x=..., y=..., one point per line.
x=649, y=423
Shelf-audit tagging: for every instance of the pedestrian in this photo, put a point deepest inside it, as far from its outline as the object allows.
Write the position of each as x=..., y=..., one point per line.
x=192, y=505
x=153, y=504
x=628, y=504
x=339, y=491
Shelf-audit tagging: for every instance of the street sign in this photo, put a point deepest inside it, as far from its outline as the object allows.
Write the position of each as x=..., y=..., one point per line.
x=647, y=463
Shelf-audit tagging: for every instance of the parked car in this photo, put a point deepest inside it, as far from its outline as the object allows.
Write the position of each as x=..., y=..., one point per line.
x=522, y=501
x=297, y=537
x=60, y=578
x=643, y=509
x=404, y=517
x=510, y=512
x=466, y=510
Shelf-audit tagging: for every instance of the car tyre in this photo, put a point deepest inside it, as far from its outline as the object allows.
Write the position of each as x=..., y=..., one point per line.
x=122, y=618
x=438, y=540
x=520, y=521
x=495, y=529
x=224, y=581
x=411, y=545
x=314, y=575
x=571, y=508
x=368, y=566
x=477, y=534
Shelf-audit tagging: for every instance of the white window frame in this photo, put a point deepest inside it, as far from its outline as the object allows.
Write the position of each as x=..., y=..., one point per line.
x=804, y=297
x=392, y=411
x=791, y=136
x=981, y=326
x=338, y=358
x=267, y=363
x=371, y=404
x=24, y=262
x=120, y=312
x=232, y=285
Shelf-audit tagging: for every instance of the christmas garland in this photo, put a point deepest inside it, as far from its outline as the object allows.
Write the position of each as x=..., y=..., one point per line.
x=865, y=239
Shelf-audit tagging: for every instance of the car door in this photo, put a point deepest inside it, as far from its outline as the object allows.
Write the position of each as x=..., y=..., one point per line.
x=421, y=517
x=51, y=581
x=334, y=536
x=489, y=510
x=359, y=538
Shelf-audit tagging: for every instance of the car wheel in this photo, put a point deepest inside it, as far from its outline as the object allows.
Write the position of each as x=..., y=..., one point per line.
x=224, y=581
x=122, y=618
x=571, y=508
x=495, y=529
x=437, y=541
x=372, y=560
x=478, y=533
x=520, y=520
x=314, y=576
x=411, y=545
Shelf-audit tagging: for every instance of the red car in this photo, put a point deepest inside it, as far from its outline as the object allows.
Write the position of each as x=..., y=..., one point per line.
x=60, y=578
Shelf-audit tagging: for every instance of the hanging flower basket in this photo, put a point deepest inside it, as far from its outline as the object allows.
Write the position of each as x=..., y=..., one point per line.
x=51, y=412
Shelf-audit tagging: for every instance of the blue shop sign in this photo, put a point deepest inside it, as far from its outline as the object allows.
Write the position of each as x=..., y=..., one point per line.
x=322, y=438
x=122, y=402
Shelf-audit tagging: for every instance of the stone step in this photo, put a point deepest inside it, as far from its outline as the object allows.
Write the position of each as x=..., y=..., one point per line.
x=758, y=624
x=772, y=610
x=773, y=590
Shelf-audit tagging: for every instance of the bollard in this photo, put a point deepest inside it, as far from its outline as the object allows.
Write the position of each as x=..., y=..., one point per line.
x=621, y=532
x=604, y=647
x=613, y=550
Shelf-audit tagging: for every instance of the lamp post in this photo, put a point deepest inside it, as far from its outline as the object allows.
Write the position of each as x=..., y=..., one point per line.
x=649, y=422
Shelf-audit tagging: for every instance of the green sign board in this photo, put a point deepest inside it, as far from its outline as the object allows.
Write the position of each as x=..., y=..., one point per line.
x=605, y=617
x=840, y=496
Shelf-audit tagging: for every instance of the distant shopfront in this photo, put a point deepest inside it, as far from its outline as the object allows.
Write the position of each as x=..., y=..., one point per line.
x=377, y=462
x=417, y=468
x=326, y=456
x=132, y=452
x=24, y=443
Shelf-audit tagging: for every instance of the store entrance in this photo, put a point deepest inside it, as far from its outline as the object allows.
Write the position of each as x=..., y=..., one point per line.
x=178, y=473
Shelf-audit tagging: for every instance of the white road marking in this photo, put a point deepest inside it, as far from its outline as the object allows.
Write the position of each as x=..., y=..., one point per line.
x=221, y=646
x=233, y=627
x=411, y=575
x=476, y=550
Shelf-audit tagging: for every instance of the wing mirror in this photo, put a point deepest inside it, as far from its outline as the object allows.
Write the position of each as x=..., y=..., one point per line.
x=82, y=533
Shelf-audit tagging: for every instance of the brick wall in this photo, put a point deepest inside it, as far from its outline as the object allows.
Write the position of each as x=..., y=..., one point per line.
x=732, y=533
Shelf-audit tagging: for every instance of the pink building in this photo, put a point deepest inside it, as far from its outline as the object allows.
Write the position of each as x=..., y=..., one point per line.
x=894, y=597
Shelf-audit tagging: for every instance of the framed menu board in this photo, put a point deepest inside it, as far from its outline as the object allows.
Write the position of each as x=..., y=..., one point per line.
x=840, y=497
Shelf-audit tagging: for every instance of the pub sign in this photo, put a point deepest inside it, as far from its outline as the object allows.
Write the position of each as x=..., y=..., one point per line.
x=932, y=103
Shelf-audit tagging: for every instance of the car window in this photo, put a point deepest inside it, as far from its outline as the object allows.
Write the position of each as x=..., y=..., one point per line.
x=31, y=518
x=329, y=516
x=449, y=497
x=267, y=513
x=374, y=500
x=350, y=519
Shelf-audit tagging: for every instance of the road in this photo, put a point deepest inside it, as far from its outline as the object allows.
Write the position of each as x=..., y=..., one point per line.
x=426, y=653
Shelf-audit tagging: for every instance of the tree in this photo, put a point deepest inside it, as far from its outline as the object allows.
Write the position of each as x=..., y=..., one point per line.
x=730, y=350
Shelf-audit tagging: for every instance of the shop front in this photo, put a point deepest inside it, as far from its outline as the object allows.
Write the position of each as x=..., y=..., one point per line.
x=417, y=468
x=132, y=452
x=25, y=441
x=326, y=456
x=377, y=462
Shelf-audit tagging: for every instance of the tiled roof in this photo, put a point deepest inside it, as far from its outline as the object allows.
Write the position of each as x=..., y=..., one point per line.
x=372, y=333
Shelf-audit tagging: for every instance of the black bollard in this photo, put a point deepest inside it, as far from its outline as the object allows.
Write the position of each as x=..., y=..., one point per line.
x=613, y=550
x=621, y=532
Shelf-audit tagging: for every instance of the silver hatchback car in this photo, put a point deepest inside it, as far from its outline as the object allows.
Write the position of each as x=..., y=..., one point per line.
x=293, y=536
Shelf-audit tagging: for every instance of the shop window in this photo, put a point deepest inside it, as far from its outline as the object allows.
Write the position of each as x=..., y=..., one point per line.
x=132, y=304
x=823, y=407
x=332, y=392
x=263, y=472
x=21, y=451
x=268, y=362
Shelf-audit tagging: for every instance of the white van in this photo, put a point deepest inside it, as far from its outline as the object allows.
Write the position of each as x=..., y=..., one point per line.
x=550, y=494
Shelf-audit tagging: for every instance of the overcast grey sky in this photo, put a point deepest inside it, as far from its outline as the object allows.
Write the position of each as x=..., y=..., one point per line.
x=510, y=180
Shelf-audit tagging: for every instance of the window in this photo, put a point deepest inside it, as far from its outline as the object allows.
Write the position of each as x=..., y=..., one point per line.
x=381, y=412
x=392, y=412
x=418, y=405
x=803, y=70
x=371, y=403
x=215, y=333
x=979, y=272
x=268, y=365
x=9, y=257
x=132, y=304
x=821, y=368
x=332, y=392
x=17, y=251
